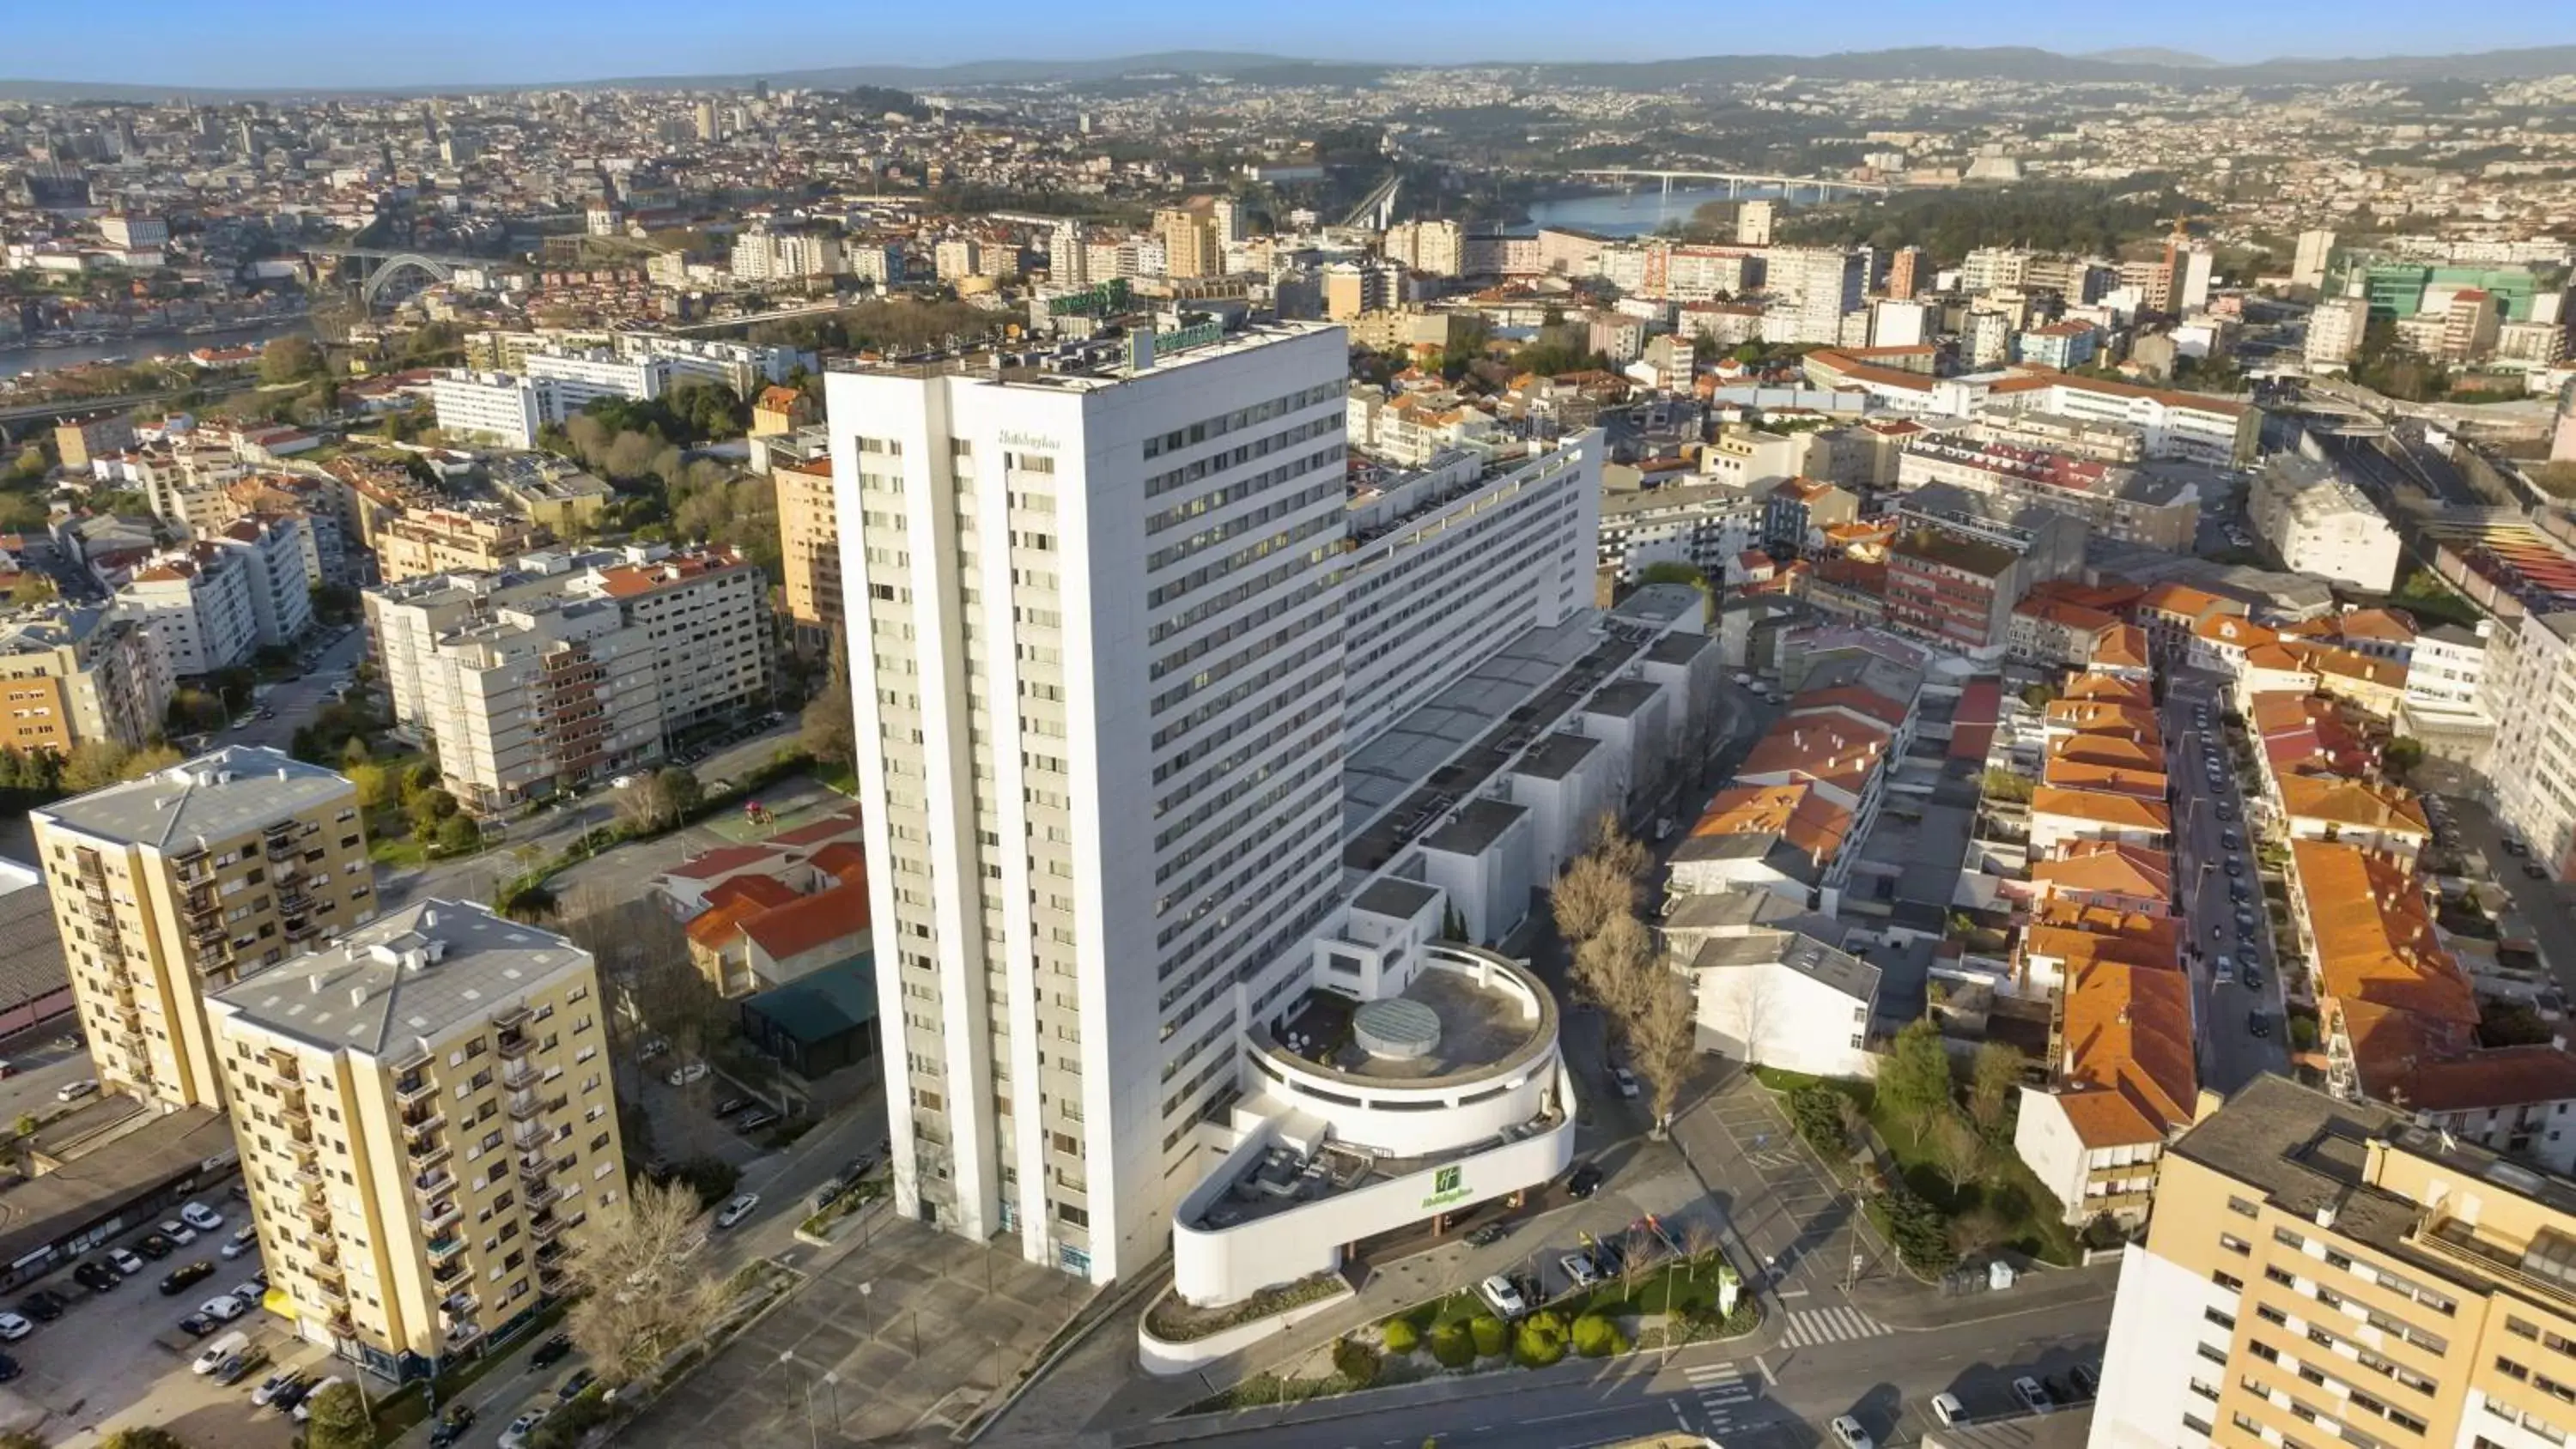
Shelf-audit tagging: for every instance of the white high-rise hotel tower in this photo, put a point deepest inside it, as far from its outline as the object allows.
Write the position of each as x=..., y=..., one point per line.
x=1101, y=648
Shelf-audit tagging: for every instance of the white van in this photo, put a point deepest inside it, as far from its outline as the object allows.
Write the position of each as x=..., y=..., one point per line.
x=219, y=1349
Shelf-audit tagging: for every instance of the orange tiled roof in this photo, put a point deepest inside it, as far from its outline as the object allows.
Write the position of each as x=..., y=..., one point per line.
x=843, y=860
x=2234, y=631
x=2511, y=1076
x=2356, y=803
x=2128, y=1028
x=2079, y=931
x=2183, y=599
x=2111, y=689
x=2108, y=867
x=2073, y=774
x=2105, y=1116
x=1832, y=748
x=1796, y=813
x=764, y=891
x=2101, y=808
x=2112, y=750
x=2065, y=613
x=810, y=921
x=2123, y=646
x=2374, y=935
x=1866, y=702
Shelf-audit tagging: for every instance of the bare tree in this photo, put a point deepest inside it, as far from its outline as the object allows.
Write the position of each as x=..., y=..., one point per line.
x=647, y=972
x=1599, y=885
x=1663, y=1035
x=1611, y=965
x=642, y=1285
x=1957, y=1150
x=1992, y=1079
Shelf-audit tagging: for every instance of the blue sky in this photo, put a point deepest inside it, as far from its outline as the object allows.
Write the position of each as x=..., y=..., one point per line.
x=336, y=43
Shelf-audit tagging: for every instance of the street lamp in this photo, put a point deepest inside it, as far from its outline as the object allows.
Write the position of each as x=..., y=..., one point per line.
x=813, y=1436
x=867, y=1315
x=832, y=1381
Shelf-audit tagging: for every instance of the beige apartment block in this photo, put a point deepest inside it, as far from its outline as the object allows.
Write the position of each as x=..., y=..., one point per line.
x=172, y=887
x=441, y=540
x=809, y=535
x=426, y=1125
x=74, y=674
x=2320, y=1271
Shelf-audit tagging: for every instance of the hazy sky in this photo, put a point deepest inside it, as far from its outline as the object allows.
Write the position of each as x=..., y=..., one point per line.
x=335, y=43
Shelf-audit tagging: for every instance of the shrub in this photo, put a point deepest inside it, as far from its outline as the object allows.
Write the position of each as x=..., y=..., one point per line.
x=1355, y=1361
x=1598, y=1337
x=1921, y=1234
x=1487, y=1332
x=1452, y=1346
x=1540, y=1342
x=1818, y=1114
x=1400, y=1337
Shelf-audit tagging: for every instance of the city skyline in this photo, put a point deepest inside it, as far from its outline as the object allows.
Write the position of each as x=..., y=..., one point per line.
x=662, y=42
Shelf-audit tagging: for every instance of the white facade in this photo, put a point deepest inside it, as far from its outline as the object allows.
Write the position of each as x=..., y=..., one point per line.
x=499, y=406
x=1818, y=286
x=276, y=552
x=1453, y=562
x=2447, y=668
x=1778, y=999
x=1705, y=525
x=540, y=699
x=2087, y=1181
x=2322, y=524
x=2531, y=693
x=2334, y=331
x=581, y=378
x=197, y=606
x=1158, y=747
x=2210, y=430
x=2162, y=1335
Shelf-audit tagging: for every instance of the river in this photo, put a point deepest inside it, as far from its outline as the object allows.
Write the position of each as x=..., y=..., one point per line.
x=1640, y=212
x=137, y=346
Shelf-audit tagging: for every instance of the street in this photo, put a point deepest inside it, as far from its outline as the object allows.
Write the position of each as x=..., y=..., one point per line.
x=1775, y=1398
x=2219, y=945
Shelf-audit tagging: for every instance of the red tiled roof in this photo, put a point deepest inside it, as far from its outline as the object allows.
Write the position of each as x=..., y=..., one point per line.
x=811, y=921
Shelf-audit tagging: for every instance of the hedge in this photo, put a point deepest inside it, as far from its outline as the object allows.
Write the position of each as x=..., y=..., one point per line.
x=1399, y=1336
x=1487, y=1331
x=1355, y=1361
x=1453, y=1346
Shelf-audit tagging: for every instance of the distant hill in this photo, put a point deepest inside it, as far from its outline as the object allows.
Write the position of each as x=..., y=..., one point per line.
x=2153, y=64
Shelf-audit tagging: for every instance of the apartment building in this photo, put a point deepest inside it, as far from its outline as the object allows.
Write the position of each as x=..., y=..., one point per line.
x=809, y=536
x=185, y=881
x=76, y=674
x=570, y=667
x=2321, y=523
x=2321, y=1270
x=280, y=570
x=1705, y=525
x=79, y=444
x=574, y=380
x=2530, y=691
x=196, y=602
x=1818, y=287
x=498, y=407
x=2188, y=425
x=2121, y=503
x=2335, y=327
x=426, y=1126
x=706, y=613
x=452, y=540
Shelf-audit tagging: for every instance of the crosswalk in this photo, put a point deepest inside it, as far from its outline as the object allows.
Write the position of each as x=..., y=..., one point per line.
x=1721, y=1389
x=1830, y=1325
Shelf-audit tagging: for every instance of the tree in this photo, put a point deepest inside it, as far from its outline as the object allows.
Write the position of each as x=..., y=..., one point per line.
x=2400, y=756
x=339, y=1420
x=140, y=1436
x=642, y=1287
x=33, y=587
x=681, y=792
x=1993, y=1079
x=289, y=359
x=1663, y=1037
x=1610, y=967
x=1957, y=1150
x=1914, y=1081
x=458, y=835
x=1600, y=884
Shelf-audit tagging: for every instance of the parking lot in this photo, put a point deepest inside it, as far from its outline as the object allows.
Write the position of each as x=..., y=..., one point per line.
x=118, y=1358
x=1779, y=1197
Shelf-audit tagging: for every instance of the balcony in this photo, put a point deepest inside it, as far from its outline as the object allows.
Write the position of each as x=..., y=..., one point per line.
x=438, y=1215
x=527, y=1135
x=333, y=1283
x=448, y=1272
x=515, y=1045
x=518, y=1076
x=445, y=1249
x=410, y=1063
x=545, y=1227
x=2462, y=1243
x=411, y=1091
x=317, y=1211
x=431, y=1184
x=526, y=1105
x=283, y=1062
x=418, y=1127
x=534, y=1179
x=432, y=1155
x=342, y=1325
x=510, y=1018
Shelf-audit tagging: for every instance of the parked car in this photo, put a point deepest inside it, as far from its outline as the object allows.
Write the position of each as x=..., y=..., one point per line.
x=201, y=1217
x=244, y=1239
x=2235, y=866
x=13, y=1327
x=198, y=1325
x=550, y=1352
x=1948, y=1409
x=1849, y=1434
x=571, y=1388
x=9, y=1368
x=755, y=1121
x=2226, y=966
x=2253, y=977
x=2257, y=1025
x=1488, y=1235
x=1585, y=1181
x=1579, y=1268
x=44, y=1305
x=2514, y=847
x=653, y=1047
x=451, y=1426
x=731, y=1105
x=223, y=1309
x=156, y=1247
x=1502, y=1297
x=296, y=1392
x=240, y=1366
x=303, y=1408
x=2032, y=1396
x=74, y=1091
x=178, y=1232
x=96, y=1276
x=2086, y=1378
x=738, y=1209
x=125, y=1262
x=2535, y=870
x=219, y=1350
x=276, y=1383
x=685, y=1073
x=516, y=1436
x=185, y=1277
x=1623, y=1081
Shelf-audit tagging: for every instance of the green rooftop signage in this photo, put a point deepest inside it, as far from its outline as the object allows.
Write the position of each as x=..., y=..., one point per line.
x=1197, y=335
x=1103, y=300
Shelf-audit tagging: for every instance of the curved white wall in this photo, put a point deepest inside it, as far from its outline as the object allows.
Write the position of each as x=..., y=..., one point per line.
x=1216, y=1266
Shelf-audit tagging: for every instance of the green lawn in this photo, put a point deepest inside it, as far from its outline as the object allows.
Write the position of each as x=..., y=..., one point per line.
x=1654, y=1290
x=2025, y=1212
x=1458, y=1307
x=2424, y=595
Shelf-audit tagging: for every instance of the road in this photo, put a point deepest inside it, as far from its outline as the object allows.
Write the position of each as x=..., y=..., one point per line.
x=38, y=1067
x=292, y=703
x=1780, y=1398
x=2230, y=1055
